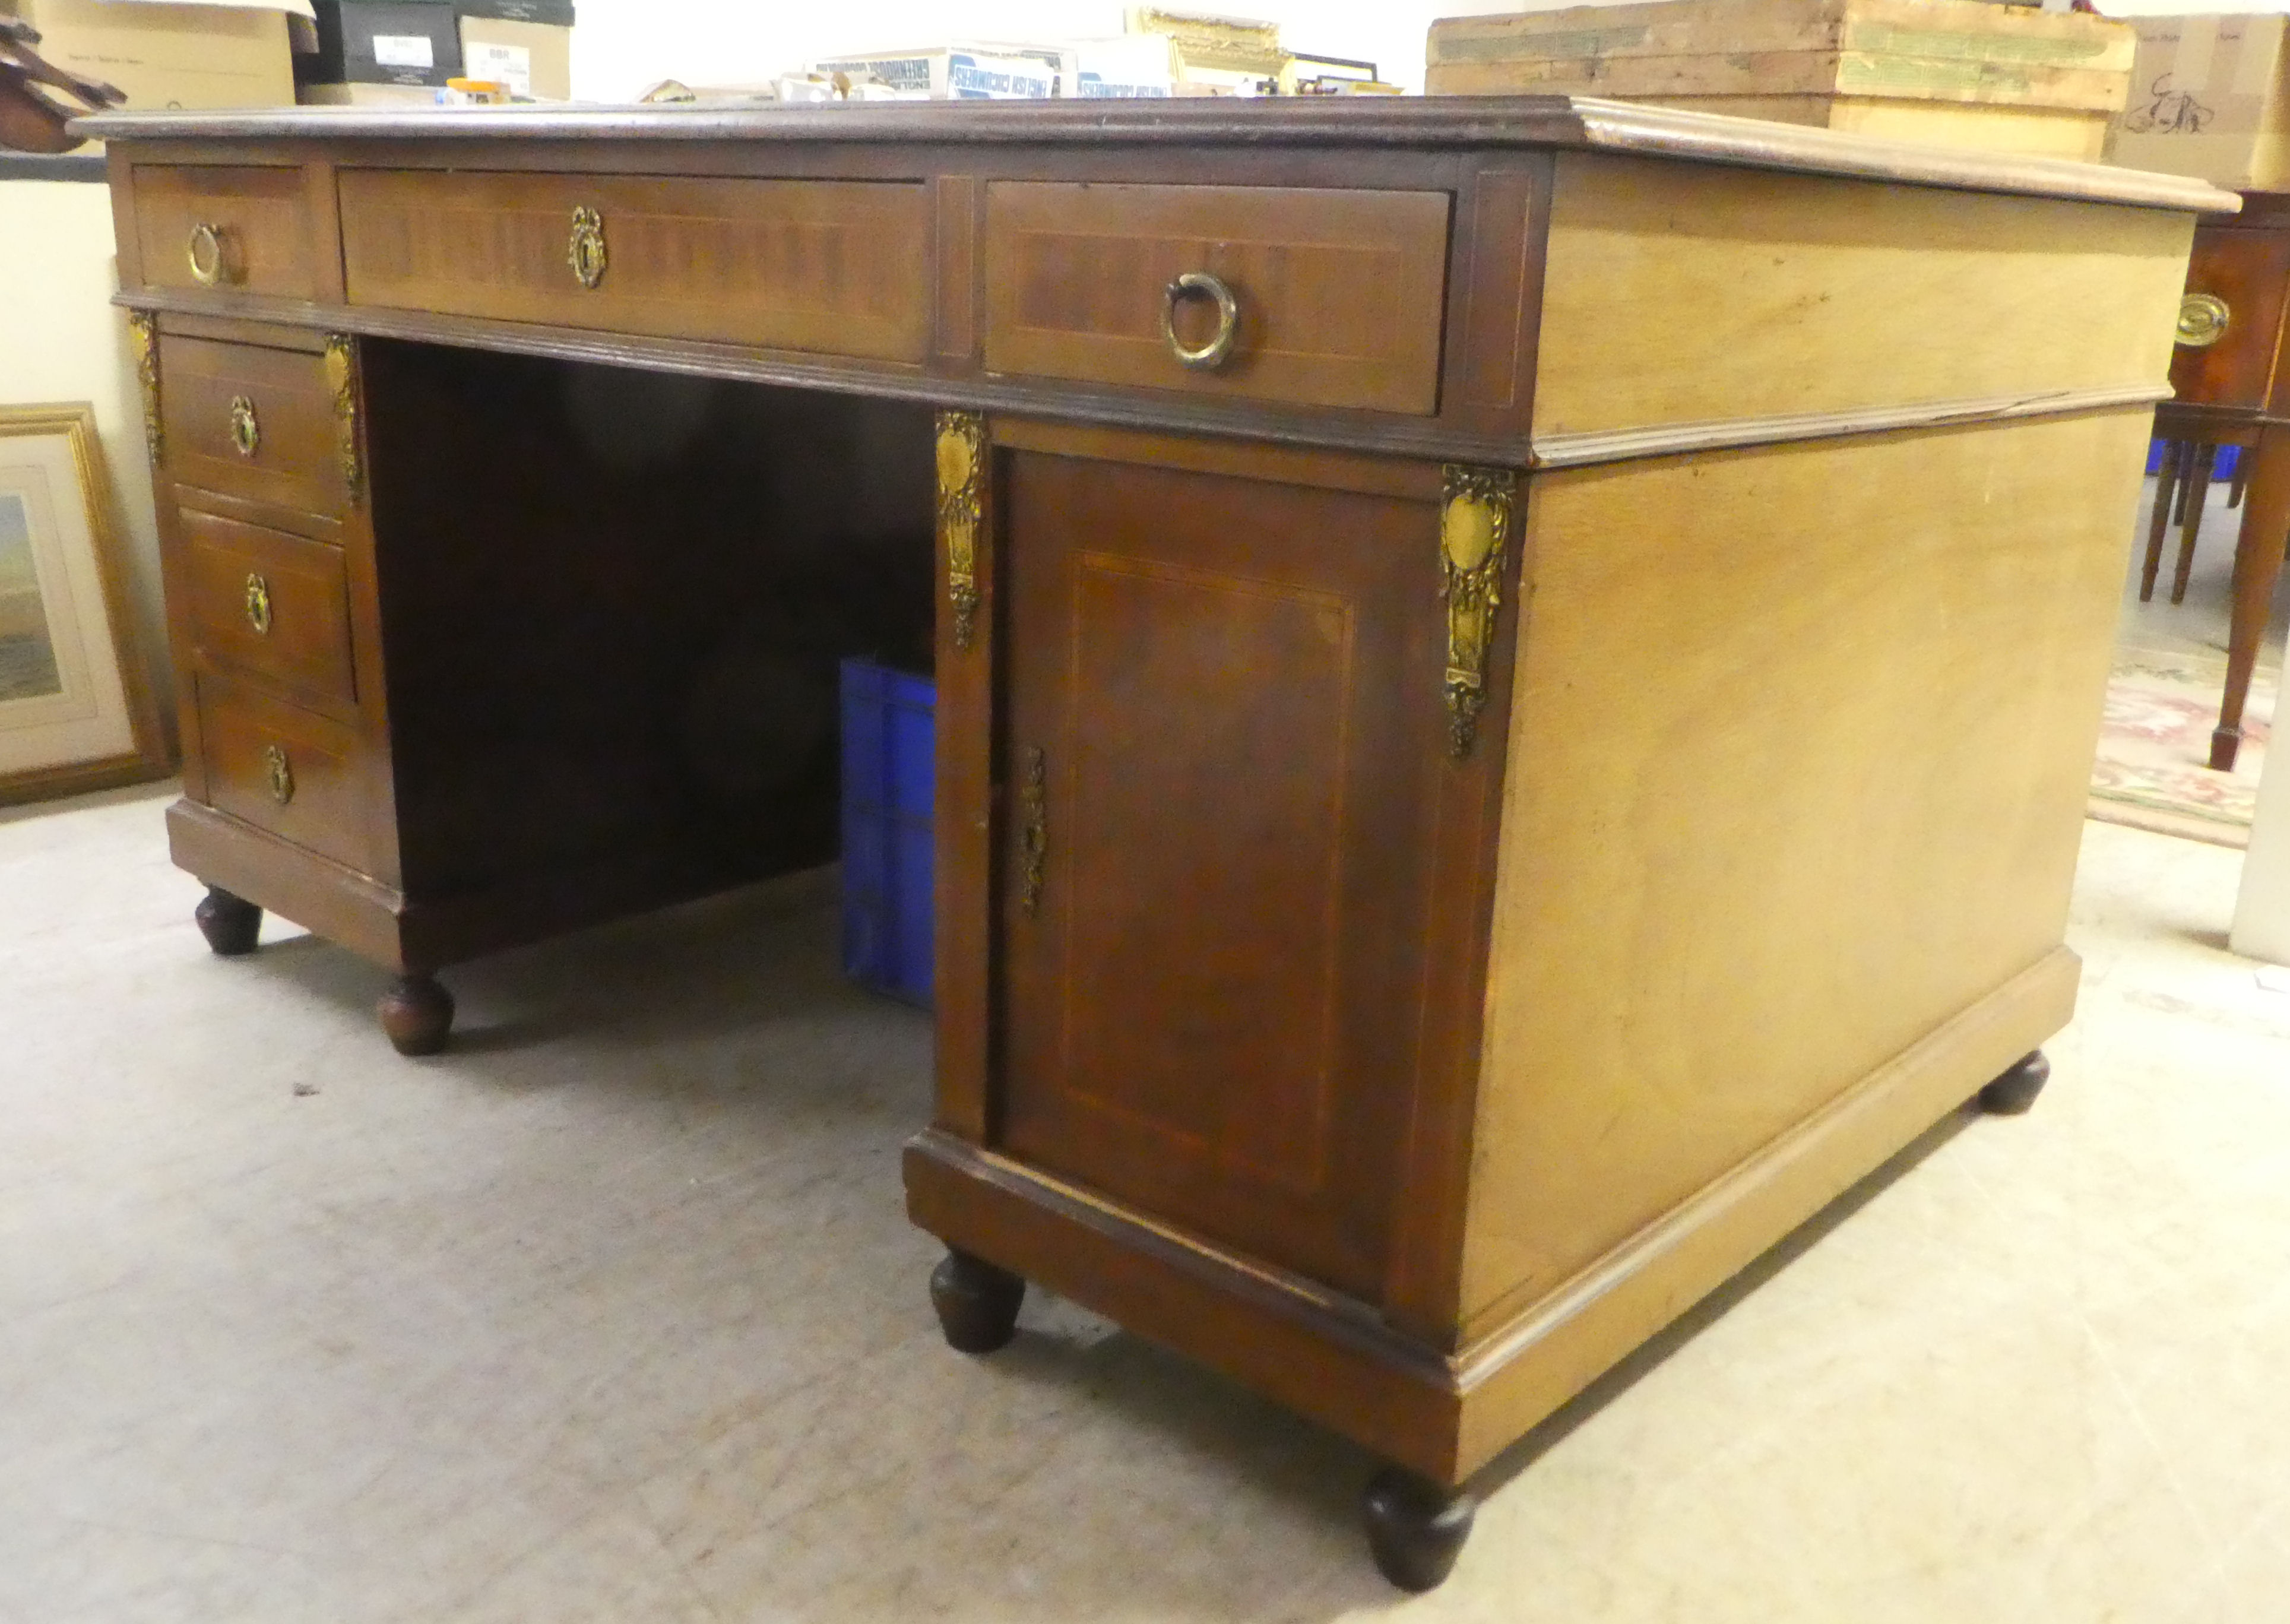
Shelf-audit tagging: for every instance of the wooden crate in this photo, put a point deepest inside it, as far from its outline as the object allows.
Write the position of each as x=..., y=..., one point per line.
x=1959, y=72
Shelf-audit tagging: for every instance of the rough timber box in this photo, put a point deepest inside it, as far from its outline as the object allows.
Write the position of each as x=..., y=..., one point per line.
x=1957, y=72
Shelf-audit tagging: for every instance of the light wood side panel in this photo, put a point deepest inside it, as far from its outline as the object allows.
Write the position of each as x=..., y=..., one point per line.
x=1681, y=293
x=1823, y=797
x=836, y=268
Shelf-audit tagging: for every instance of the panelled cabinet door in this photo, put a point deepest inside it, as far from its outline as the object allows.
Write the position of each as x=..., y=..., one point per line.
x=1222, y=750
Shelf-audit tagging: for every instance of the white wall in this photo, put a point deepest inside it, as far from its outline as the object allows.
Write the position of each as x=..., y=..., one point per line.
x=61, y=339
x=621, y=46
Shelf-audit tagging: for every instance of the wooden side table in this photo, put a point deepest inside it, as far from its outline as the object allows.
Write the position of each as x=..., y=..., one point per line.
x=2231, y=387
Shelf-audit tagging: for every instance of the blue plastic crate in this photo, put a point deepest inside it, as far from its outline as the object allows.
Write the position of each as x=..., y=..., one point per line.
x=889, y=744
x=2223, y=469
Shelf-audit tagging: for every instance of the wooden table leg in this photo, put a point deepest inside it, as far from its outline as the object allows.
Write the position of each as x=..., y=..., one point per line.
x=2159, y=525
x=2197, y=492
x=2257, y=565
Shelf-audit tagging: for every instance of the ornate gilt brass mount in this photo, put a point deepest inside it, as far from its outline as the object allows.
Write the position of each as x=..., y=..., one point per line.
x=258, y=605
x=343, y=385
x=586, y=251
x=962, y=513
x=2203, y=320
x=281, y=774
x=1475, y=518
x=246, y=433
x=143, y=339
x=1034, y=832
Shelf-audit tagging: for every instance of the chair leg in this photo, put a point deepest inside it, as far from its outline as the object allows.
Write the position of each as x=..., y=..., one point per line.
x=2186, y=480
x=2198, y=487
x=2234, y=492
x=2166, y=480
x=2257, y=567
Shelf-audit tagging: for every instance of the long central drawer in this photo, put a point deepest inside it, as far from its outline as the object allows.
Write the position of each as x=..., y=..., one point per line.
x=838, y=268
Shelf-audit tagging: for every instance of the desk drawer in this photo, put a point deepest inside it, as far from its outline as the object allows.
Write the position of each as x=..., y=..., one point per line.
x=840, y=267
x=269, y=606
x=1338, y=294
x=240, y=228
x=2247, y=271
x=282, y=769
x=283, y=446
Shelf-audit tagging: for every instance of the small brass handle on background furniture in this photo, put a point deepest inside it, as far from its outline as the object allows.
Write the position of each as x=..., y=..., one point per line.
x=246, y=433
x=586, y=251
x=282, y=774
x=210, y=264
x=2203, y=320
x=258, y=605
x=1211, y=355
x=1034, y=835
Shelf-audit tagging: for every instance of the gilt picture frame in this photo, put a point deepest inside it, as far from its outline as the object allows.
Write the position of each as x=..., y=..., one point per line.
x=78, y=710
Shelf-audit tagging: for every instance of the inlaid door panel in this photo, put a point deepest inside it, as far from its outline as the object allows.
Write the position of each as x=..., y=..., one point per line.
x=1220, y=770
x=839, y=268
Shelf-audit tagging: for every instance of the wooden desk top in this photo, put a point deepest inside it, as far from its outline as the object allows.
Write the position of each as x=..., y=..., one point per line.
x=1484, y=123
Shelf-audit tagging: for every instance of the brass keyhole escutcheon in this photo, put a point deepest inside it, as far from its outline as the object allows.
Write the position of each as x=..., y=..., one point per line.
x=210, y=265
x=586, y=253
x=258, y=605
x=246, y=433
x=2203, y=320
x=282, y=774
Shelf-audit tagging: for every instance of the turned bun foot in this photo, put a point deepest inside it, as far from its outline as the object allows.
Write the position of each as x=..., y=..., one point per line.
x=1416, y=1527
x=417, y=1013
x=231, y=925
x=2016, y=1089
x=977, y=1303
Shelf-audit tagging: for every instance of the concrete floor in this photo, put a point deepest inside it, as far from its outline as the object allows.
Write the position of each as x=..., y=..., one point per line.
x=611, y=1314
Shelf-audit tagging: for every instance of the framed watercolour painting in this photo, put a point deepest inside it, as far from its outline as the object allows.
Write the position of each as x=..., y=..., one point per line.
x=76, y=710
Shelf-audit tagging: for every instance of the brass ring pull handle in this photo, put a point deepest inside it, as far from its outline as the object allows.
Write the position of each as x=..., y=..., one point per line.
x=282, y=775
x=210, y=263
x=1211, y=355
x=258, y=605
x=2203, y=320
x=246, y=433
x=1034, y=837
x=586, y=253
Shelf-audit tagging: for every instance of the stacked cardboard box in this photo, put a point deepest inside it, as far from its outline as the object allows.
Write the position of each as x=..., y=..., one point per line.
x=2210, y=97
x=386, y=52
x=236, y=53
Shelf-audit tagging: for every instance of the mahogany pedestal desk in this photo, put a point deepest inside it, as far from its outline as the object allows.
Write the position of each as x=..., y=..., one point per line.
x=1514, y=697
x=2230, y=385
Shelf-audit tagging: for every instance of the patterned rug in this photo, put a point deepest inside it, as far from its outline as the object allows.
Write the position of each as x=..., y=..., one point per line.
x=2155, y=745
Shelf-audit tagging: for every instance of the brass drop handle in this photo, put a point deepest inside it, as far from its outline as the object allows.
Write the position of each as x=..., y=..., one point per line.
x=1211, y=355
x=1033, y=833
x=586, y=251
x=281, y=772
x=2203, y=320
x=246, y=433
x=258, y=605
x=210, y=257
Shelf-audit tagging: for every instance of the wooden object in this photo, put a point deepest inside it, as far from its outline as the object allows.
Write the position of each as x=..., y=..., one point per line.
x=1509, y=723
x=38, y=99
x=2231, y=387
x=1955, y=72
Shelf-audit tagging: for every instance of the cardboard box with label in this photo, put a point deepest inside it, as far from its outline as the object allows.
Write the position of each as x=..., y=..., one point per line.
x=525, y=44
x=410, y=43
x=2208, y=99
x=950, y=73
x=233, y=53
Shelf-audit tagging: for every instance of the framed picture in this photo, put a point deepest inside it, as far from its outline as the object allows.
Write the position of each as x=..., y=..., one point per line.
x=76, y=710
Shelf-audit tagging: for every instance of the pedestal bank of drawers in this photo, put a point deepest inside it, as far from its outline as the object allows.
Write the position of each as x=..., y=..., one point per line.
x=269, y=563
